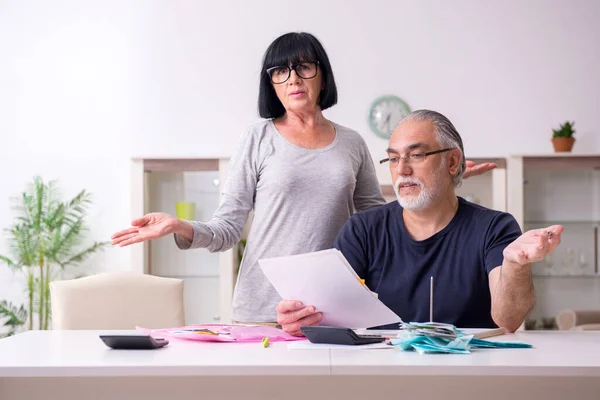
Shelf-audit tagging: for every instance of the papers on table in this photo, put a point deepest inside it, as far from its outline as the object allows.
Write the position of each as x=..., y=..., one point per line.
x=326, y=280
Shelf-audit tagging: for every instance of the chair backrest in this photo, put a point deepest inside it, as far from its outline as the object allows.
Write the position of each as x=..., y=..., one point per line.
x=117, y=300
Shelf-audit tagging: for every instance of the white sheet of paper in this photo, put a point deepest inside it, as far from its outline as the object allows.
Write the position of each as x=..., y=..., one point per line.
x=325, y=280
x=322, y=346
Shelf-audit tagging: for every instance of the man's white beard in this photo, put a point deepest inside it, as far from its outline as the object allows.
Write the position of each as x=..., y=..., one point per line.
x=426, y=195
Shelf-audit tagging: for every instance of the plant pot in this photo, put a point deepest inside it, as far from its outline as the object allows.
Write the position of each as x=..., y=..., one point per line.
x=563, y=144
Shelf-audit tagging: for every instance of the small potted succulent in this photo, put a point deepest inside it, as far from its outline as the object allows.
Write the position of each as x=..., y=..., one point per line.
x=562, y=138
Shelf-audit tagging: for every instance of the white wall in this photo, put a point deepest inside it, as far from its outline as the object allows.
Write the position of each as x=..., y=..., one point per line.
x=85, y=86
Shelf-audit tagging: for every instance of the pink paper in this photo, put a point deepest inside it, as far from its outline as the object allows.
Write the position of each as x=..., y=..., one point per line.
x=222, y=333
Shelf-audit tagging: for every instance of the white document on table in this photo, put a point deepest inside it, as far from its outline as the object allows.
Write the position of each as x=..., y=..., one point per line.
x=325, y=280
x=306, y=345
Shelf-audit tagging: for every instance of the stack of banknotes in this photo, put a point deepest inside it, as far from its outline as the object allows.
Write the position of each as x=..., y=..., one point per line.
x=435, y=337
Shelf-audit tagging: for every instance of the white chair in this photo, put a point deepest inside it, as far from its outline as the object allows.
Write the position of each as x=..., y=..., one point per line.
x=121, y=300
x=578, y=320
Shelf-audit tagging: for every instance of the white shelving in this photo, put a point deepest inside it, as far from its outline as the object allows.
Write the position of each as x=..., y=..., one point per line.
x=560, y=189
x=158, y=184
x=166, y=189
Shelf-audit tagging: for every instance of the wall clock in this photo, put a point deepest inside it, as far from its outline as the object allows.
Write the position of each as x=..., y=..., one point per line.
x=385, y=113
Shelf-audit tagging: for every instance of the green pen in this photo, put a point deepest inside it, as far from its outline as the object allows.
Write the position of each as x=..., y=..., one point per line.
x=265, y=342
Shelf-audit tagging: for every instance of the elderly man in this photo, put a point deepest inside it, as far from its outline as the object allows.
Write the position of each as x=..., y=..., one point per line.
x=480, y=261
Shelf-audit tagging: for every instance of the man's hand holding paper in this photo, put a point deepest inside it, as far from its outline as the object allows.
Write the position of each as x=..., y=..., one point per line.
x=292, y=315
x=323, y=281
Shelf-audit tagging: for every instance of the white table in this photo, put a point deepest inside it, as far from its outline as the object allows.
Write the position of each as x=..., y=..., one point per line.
x=76, y=364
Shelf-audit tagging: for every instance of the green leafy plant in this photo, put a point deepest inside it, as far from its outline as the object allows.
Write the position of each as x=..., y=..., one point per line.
x=46, y=235
x=13, y=317
x=564, y=131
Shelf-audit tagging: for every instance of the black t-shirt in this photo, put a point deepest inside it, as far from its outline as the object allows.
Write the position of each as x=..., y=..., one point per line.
x=459, y=257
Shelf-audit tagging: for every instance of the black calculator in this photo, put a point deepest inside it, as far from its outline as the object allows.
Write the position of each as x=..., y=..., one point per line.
x=338, y=335
x=133, y=342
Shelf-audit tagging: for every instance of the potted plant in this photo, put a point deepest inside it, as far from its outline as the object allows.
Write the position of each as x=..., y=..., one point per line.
x=562, y=138
x=45, y=237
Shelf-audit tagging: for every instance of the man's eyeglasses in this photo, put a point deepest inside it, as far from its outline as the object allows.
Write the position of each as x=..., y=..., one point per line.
x=305, y=70
x=412, y=158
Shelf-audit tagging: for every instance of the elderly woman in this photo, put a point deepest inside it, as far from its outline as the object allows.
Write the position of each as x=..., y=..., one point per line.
x=303, y=176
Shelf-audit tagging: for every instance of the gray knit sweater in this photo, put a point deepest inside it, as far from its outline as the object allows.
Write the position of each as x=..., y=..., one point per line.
x=301, y=198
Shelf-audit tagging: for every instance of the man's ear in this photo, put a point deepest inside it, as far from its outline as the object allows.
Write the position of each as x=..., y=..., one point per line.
x=454, y=161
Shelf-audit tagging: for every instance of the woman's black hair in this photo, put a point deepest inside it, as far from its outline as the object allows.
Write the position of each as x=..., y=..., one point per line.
x=293, y=48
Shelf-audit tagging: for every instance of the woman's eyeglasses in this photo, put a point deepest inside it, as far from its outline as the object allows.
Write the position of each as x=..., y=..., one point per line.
x=305, y=70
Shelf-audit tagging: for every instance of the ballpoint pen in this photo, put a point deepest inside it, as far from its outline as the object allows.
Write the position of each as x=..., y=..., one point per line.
x=431, y=299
